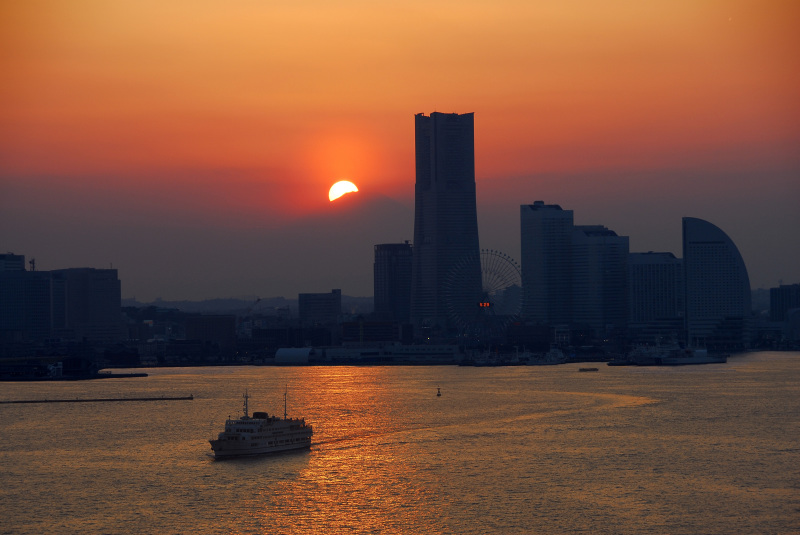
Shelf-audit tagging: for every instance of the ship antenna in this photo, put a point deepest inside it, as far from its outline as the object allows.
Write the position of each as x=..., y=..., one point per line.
x=285, y=391
x=246, y=414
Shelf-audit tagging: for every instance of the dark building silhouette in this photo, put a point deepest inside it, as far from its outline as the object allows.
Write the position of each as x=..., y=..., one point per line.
x=718, y=299
x=574, y=277
x=546, y=245
x=599, y=279
x=783, y=299
x=320, y=309
x=791, y=328
x=69, y=304
x=392, y=281
x=217, y=329
x=361, y=332
x=273, y=338
x=25, y=301
x=86, y=304
x=655, y=294
x=445, y=221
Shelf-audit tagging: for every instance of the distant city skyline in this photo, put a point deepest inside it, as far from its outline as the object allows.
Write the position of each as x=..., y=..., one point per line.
x=356, y=271
x=195, y=153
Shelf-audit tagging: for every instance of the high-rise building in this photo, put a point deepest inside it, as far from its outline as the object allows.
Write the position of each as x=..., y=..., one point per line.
x=72, y=304
x=320, y=309
x=599, y=279
x=392, y=281
x=546, y=245
x=87, y=304
x=655, y=295
x=783, y=299
x=12, y=297
x=445, y=222
x=718, y=300
x=24, y=305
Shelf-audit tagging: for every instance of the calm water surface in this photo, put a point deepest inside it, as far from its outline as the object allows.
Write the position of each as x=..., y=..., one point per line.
x=700, y=449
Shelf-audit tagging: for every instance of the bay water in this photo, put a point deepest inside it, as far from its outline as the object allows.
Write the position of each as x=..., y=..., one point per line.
x=536, y=449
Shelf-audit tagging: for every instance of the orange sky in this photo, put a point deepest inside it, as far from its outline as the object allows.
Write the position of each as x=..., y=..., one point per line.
x=250, y=110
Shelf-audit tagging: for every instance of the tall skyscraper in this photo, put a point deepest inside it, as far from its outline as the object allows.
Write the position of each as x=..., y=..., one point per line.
x=392, y=281
x=718, y=307
x=445, y=221
x=546, y=245
x=599, y=279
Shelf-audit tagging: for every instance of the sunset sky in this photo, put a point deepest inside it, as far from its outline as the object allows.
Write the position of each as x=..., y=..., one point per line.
x=191, y=144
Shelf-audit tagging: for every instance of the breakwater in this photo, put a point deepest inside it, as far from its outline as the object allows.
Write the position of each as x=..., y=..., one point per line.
x=101, y=400
x=25, y=376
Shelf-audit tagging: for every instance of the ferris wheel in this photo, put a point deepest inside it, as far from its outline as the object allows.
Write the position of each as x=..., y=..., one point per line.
x=500, y=301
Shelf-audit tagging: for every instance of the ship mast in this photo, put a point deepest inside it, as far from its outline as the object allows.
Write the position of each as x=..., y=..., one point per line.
x=246, y=414
x=284, y=401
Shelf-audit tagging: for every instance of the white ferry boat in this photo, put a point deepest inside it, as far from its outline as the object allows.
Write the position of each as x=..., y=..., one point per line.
x=261, y=434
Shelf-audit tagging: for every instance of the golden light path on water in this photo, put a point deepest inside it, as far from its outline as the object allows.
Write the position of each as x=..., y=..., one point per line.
x=703, y=449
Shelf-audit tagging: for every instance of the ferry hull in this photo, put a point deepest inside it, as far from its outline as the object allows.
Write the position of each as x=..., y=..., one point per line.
x=226, y=450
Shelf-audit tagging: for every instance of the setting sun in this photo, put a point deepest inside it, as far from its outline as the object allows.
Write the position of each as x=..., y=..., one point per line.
x=340, y=188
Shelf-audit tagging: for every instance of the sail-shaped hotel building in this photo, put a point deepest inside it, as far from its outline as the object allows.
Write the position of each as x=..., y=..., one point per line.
x=718, y=300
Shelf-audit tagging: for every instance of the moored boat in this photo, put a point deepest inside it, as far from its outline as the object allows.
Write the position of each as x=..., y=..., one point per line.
x=696, y=356
x=554, y=356
x=261, y=434
x=673, y=356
